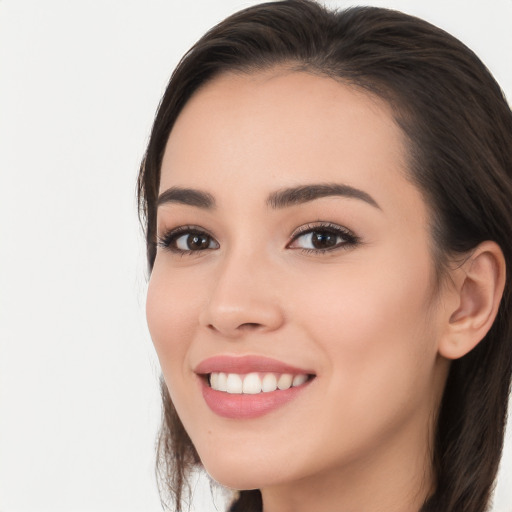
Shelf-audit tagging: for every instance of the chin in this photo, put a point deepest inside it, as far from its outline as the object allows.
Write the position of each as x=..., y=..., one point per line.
x=240, y=481
x=237, y=483
x=243, y=474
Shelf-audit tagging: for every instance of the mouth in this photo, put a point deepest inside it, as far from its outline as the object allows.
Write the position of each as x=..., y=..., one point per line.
x=249, y=386
x=255, y=383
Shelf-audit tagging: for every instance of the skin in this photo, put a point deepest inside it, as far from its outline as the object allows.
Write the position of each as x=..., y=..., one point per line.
x=366, y=318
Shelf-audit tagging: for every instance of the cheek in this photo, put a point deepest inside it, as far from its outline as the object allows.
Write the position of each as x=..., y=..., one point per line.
x=171, y=313
x=379, y=352
x=371, y=323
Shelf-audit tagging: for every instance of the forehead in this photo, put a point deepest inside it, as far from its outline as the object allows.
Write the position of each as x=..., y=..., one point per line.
x=262, y=131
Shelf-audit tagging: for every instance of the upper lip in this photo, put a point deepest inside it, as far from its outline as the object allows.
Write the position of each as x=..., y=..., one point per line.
x=246, y=364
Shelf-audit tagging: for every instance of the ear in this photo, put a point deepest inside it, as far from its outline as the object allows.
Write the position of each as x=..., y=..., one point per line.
x=479, y=285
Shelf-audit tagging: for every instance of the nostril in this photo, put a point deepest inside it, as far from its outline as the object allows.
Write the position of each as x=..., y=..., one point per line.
x=238, y=330
x=249, y=325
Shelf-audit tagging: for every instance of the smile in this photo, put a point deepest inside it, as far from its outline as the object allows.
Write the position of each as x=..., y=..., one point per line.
x=254, y=383
x=246, y=387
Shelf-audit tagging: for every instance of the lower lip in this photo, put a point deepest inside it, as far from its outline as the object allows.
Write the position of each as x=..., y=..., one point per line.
x=240, y=406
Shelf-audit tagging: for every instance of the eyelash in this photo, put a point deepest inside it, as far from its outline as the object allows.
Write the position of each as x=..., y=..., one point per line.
x=168, y=239
x=349, y=238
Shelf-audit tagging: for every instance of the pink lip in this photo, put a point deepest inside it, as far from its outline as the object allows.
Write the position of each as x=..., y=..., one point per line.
x=240, y=406
x=246, y=364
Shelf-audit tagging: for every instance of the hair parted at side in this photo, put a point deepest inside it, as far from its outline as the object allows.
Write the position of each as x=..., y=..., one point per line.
x=458, y=127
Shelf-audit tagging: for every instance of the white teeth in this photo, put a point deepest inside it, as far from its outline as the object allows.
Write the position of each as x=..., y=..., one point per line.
x=253, y=383
x=285, y=381
x=269, y=383
x=234, y=383
x=222, y=382
x=214, y=380
x=298, y=380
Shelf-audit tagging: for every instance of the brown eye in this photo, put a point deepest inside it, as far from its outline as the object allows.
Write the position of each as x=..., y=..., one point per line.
x=320, y=239
x=186, y=240
x=324, y=239
x=194, y=242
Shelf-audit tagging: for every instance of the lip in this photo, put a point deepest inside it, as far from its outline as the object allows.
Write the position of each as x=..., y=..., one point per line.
x=245, y=406
x=246, y=364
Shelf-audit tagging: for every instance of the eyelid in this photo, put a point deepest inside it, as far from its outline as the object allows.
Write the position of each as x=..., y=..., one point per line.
x=311, y=226
x=350, y=238
x=169, y=236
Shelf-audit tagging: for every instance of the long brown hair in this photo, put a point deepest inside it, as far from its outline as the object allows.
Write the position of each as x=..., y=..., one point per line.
x=459, y=131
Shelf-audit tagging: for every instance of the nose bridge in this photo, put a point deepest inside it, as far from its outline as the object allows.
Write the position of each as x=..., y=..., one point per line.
x=242, y=297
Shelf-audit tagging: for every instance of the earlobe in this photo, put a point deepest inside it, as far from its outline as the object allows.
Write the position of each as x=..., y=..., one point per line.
x=479, y=288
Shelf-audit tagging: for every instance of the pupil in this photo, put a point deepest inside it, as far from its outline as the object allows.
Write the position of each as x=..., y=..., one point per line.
x=322, y=239
x=196, y=242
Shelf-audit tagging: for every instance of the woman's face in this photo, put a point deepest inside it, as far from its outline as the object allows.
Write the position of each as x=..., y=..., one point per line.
x=292, y=248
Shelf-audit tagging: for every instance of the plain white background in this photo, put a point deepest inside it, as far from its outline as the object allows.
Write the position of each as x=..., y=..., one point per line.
x=79, y=85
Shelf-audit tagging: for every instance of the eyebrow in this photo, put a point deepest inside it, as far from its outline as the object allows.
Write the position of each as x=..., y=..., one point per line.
x=280, y=199
x=303, y=194
x=189, y=196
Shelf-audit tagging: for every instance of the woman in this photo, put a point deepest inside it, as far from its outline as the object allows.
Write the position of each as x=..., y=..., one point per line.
x=326, y=199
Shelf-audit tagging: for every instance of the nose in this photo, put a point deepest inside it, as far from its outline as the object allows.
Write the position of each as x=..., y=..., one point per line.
x=242, y=299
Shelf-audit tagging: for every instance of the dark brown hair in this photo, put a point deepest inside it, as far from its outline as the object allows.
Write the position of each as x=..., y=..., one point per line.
x=459, y=131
